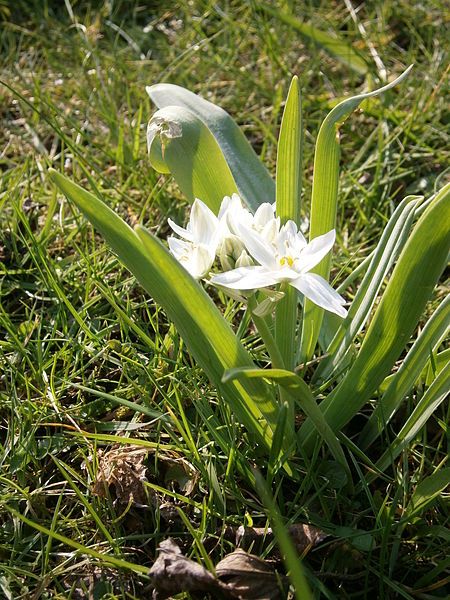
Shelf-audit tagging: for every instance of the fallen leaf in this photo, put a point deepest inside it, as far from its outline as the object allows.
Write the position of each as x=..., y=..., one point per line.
x=173, y=573
x=122, y=468
x=303, y=535
x=306, y=536
x=250, y=577
x=181, y=472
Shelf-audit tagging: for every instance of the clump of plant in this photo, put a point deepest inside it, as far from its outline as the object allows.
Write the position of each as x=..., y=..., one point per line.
x=244, y=239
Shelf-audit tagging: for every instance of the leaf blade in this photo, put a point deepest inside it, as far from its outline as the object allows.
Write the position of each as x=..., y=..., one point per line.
x=324, y=201
x=208, y=336
x=412, y=282
x=254, y=183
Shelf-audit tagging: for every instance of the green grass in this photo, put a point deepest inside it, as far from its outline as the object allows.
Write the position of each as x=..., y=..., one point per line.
x=85, y=355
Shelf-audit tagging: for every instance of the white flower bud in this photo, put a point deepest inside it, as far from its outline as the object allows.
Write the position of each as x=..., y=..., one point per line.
x=244, y=260
x=230, y=250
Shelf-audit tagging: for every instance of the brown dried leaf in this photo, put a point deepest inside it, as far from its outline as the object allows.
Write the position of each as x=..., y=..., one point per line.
x=306, y=536
x=173, y=573
x=180, y=471
x=122, y=468
x=250, y=577
x=303, y=535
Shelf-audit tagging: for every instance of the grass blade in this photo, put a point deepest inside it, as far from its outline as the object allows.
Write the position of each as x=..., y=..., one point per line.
x=101, y=556
x=344, y=52
x=254, y=183
x=285, y=543
x=324, y=201
x=433, y=397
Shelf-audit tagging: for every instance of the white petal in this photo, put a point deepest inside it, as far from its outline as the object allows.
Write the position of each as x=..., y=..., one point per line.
x=318, y=290
x=233, y=203
x=270, y=230
x=203, y=223
x=200, y=262
x=258, y=247
x=245, y=278
x=179, y=247
x=315, y=251
x=263, y=214
x=184, y=233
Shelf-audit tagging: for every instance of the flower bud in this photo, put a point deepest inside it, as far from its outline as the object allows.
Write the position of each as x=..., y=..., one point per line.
x=244, y=260
x=230, y=250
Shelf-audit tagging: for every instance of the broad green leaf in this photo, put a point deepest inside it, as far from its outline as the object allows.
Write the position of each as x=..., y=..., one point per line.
x=392, y=241
x=403, y=380
x=426, y=492
x=324, y=201
x=410, y=287
x=288, y=193
x=299, y=390
x=206, y=333
x=433, y=397
x=179, y=142
x=344, y=52
x=254, y=183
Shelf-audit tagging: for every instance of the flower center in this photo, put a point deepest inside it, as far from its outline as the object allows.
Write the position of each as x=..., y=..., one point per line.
x=286, y=260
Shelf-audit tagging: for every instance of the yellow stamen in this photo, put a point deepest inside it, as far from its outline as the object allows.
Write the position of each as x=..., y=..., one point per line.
x=286, y=260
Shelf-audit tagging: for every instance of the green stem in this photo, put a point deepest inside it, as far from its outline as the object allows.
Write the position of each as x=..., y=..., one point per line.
x=266, y=336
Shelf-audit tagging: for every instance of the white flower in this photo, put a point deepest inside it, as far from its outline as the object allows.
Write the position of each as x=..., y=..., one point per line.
x=197, y=250
x=206, y=235
x=234, y=215
x=288, y=258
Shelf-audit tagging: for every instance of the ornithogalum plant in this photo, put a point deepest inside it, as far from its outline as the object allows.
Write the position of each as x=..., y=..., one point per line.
x=244, y=237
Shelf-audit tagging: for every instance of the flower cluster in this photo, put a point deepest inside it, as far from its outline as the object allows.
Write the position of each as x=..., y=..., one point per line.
x=254, y=251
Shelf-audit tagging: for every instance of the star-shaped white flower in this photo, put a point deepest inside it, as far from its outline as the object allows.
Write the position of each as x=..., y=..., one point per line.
x=197, y=249
x=289, y=258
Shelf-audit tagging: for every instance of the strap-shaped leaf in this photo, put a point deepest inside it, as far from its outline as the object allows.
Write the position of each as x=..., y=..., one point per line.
x=409, y=371
x=180, y=143
x=392, y=240
x=254, y=183
x=426, y=492
x=288, y=192
x=206, y=333
x=299, y=390
x=410, y=287
x=433, y=397
x=324, y=201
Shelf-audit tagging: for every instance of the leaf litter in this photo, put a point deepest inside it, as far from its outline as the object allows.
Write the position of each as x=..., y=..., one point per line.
x=123, y=472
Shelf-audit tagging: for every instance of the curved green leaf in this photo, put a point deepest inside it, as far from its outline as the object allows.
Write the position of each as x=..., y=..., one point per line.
x=324, y=201
x=410, y=287
x=180, y=143
x=206, y=333
x=392, y=240
x=409, y=371
x=426, y=491
x=288, y=192
x=254, y=183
